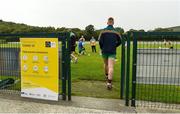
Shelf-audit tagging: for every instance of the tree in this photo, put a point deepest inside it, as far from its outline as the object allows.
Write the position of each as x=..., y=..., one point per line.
x=162, y=30
x=141, y=30
x=62, y=29
x=133, y=30
x=89, y=32
x=11, y=27
x=96, y=35
x=78, y=32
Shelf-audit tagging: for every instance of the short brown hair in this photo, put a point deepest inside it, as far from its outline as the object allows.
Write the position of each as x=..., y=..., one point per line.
x=110, y=19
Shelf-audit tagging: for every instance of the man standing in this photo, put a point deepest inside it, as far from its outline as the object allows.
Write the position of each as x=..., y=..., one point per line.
x=93, y=44
x=109, y=40
x=73, y=47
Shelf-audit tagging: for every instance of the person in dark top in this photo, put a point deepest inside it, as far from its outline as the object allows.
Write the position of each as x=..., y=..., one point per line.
x=81, y=48
x=109, y=40
x=73, y=47
x=80, y=45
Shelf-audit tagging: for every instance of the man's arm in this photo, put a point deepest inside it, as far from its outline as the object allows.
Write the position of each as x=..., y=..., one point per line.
x=101, y=40
x=118, y=40
x=73, y=40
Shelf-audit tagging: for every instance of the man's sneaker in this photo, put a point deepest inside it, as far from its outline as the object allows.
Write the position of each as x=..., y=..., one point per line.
x=109, y=86
x=76, y=60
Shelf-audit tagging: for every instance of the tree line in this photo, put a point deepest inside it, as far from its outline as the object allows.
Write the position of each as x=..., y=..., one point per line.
x=88, y=32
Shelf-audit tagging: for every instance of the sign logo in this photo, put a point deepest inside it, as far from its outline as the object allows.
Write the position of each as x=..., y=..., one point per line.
x=50, y=44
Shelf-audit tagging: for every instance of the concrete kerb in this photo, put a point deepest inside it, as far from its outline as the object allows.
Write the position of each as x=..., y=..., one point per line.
x=77, y=105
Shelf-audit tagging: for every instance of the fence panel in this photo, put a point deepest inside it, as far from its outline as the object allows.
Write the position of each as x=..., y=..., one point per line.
x=9, y=65
x=156, y=70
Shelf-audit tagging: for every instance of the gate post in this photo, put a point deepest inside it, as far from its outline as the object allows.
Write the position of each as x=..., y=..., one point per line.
x=69, y=64
x=122, y=68
x=63, y=67
x=128, y=70
x=134, y=66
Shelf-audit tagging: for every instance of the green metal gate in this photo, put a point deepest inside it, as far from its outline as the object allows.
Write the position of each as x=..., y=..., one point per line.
x=153, y=69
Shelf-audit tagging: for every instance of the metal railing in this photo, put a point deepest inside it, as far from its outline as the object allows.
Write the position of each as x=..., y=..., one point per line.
x=156, y=69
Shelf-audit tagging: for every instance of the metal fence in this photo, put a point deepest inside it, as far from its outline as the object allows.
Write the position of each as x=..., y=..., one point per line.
x=9, y=65
x=156, y=70
x=10, y=74
x=150, y=67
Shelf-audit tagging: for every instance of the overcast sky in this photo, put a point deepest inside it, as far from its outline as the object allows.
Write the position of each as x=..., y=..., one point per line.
x=136, y=14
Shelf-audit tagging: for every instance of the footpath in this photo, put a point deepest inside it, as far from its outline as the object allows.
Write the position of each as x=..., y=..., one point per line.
x=13, y=103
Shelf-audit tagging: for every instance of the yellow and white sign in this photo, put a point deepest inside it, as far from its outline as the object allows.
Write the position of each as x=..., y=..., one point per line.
x=39, y=68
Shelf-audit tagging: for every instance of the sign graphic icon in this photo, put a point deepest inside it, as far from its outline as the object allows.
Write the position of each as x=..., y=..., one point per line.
x=35, y=68
x=25, y=67
x=35, y=58
x=46, y=69
x=45, y=58
x=24, y=57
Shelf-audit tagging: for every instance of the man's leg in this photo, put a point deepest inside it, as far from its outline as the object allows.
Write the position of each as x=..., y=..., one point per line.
x=79, y=51
x=92, y=48
x=111, y=62
x=74, y=57
x=106, y=67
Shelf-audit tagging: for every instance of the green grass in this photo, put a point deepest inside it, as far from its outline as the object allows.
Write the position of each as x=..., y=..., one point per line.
x=91, y=67
x=88, y=77
x=157, y=46
x=88, y=80
x=16, y=86
x=158, y=93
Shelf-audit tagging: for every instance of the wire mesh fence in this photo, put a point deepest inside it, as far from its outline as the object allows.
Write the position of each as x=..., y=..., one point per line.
x=158, y=73
x=9, y=65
